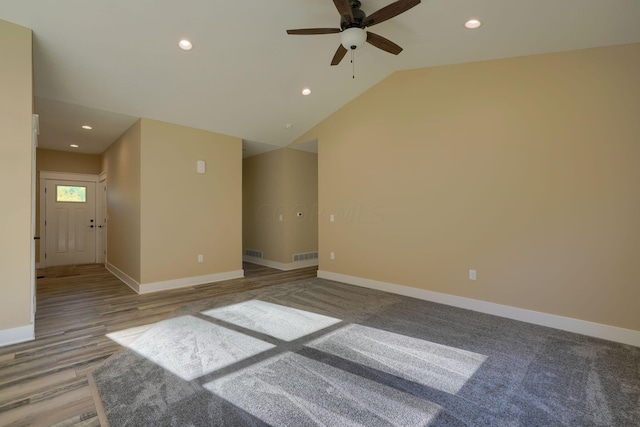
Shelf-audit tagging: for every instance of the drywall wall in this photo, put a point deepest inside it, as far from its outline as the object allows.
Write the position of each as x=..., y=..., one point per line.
x=525, y=169
x=184, y=213
x=263, y=201
x=65, y=161
x=276, y=185
x=121, y=162
x=301, y=189
x=16, y=107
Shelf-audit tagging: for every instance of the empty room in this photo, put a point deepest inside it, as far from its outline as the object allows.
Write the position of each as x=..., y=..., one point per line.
x=301, y=213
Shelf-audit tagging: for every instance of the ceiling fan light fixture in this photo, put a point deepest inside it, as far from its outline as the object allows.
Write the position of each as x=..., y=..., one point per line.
x=353, y=38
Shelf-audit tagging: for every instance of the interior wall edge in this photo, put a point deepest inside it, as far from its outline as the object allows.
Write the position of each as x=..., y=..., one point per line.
x=17, y=335
x=124, y=277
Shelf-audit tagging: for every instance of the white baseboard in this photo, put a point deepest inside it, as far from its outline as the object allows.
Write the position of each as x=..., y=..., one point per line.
x=280, y=265
x=17, y=335
x=147, y=288
x=611, y=333
x=128, y=280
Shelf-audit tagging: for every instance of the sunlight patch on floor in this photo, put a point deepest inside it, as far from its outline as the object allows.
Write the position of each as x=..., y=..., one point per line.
x=125, y=337
x=190, y=347
x=434, y=365
x=291, y=389
x=279, y=321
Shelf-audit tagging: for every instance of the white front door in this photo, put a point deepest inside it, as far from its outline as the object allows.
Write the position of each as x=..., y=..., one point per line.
x=70, y=222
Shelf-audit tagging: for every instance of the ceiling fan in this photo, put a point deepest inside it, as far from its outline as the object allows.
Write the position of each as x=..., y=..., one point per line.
x=353, y=22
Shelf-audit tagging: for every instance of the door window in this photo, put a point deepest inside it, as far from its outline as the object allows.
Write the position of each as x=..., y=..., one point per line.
x=73, y=194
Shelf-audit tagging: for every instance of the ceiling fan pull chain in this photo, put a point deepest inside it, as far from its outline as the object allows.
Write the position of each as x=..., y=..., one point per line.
x=353, y=65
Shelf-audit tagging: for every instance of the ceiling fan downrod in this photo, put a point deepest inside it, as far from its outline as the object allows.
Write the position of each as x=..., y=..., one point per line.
x=357, y=16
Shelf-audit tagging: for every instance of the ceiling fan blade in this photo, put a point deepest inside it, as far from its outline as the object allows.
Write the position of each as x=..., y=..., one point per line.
x=382, y=43
x=388, y=12
x=340, y=53
x=308, y=31
x=344, y=9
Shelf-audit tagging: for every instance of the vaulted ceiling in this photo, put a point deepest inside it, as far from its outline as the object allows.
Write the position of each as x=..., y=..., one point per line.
x=107, y=63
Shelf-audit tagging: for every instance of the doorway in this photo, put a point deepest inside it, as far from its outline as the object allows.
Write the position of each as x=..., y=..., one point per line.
x=68, y=221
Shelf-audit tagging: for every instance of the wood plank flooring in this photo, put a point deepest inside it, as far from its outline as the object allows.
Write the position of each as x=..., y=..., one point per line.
x=44, y=382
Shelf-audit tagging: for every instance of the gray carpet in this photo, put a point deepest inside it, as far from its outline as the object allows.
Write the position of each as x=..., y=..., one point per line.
x=317, y=352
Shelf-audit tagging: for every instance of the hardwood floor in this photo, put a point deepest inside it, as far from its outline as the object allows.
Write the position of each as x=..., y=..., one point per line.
x=44, y=382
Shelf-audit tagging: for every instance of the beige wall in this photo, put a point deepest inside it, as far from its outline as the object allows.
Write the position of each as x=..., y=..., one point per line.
x=121, y=162
x=263, y=201
x=183, y=213
x=65, y=161
x=524, y=169
x=281, y=182
x=16, y=101
x=301, y=189
x=62, y=161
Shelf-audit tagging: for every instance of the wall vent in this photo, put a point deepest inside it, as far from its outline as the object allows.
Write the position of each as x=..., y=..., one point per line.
x=253, y=253
x=305, y=256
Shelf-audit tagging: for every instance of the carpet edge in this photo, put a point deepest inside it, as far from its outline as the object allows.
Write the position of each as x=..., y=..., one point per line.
x=97, y=401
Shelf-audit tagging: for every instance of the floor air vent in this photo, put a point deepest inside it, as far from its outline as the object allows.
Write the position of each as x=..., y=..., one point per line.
x=253, y=253
x=305, y=256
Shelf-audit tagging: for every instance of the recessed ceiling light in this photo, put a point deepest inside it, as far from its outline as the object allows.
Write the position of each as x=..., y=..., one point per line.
x=472, y=24
x=185, y=44
x=306, y=91
x=87, y=127
x=74, y=145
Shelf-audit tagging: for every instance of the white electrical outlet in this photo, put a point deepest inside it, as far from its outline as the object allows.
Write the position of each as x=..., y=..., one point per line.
x=332, y=218
x=200, y=258
x=201, y=166
x=332, y=255
x=472, y=275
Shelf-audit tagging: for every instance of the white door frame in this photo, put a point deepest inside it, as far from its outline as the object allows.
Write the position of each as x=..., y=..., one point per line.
x=62, y=176
x=101, y=219
x=35, y=131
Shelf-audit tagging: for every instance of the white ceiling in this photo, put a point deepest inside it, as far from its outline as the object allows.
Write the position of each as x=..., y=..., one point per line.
x=114, y=61
x=60, y=126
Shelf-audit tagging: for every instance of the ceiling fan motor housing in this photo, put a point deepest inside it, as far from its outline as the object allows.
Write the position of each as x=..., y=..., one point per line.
x=358, y=16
